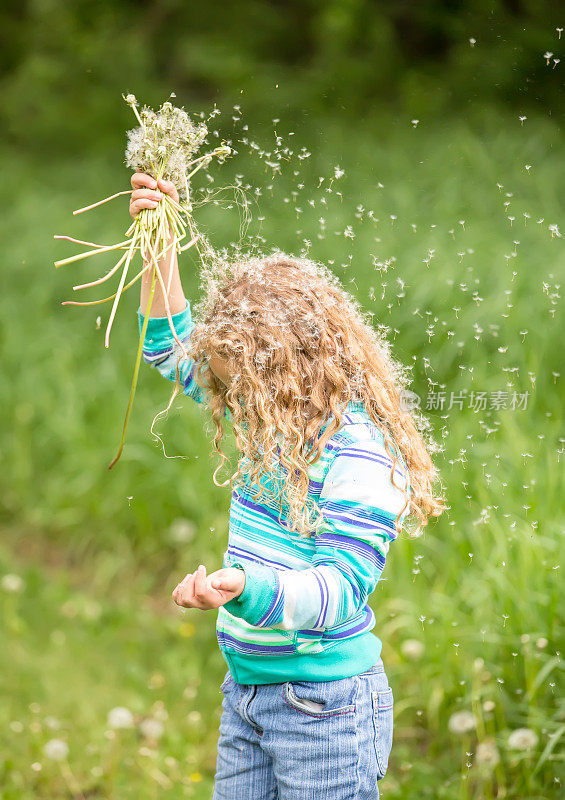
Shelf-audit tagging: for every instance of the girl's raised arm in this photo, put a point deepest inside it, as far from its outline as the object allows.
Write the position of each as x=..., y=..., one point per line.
x=160, y=349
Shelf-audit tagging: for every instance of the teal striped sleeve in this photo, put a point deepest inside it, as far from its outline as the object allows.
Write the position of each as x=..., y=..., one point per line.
x=161, y=351
x=359, y=504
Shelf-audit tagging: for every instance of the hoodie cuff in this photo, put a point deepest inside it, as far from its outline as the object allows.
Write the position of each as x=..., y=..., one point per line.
x=255, y=603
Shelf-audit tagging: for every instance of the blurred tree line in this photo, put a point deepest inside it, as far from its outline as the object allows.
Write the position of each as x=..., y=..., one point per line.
x=64, y=65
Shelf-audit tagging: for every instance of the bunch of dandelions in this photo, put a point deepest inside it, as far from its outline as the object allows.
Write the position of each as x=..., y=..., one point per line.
x=163, y=146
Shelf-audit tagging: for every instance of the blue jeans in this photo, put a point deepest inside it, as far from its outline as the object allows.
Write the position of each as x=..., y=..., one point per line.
x=305, y=740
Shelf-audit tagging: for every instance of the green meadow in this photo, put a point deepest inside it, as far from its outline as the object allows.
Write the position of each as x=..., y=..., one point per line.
x=450, y=234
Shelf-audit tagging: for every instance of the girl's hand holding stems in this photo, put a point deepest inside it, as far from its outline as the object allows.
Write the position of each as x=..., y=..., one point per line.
x=197, y=590
x=148, y=193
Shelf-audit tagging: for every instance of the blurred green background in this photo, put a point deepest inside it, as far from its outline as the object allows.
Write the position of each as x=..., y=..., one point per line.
x=415, y=147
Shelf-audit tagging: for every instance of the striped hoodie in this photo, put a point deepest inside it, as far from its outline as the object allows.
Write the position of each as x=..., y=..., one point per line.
x=304, y=612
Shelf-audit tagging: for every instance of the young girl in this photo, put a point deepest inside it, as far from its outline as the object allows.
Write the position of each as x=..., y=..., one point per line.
x=330, y=466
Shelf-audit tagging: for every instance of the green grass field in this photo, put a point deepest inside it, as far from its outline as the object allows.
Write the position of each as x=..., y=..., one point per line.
x=450, y=237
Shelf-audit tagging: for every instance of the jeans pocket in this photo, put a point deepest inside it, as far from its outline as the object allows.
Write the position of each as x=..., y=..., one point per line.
x=383, y=719
x=318, y=699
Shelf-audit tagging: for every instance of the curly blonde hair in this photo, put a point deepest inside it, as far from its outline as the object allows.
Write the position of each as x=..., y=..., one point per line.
x=298, y=349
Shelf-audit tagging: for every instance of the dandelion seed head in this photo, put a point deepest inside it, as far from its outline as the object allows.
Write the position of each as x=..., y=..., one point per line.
x=120, y=717
x=487, y=754
x=56, y=750
x=11, y=583
x=181, y=531
x=168, y=137
x=462, y=722
x=412, y=649
x=522, y=739
x=151, y=728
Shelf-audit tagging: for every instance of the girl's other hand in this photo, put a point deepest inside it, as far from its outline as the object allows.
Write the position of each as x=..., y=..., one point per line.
x=197, y=590
x=148, y=192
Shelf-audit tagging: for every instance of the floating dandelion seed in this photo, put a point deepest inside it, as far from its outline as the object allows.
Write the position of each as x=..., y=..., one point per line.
x=472, y=42
x=522, y=120
x=547, y=56
x=415, y=122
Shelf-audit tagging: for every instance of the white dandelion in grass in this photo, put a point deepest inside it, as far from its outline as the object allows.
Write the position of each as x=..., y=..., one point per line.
x=181, y=530
x=120, y=717
x=487, y=755
x=163, y=146
x=11, y=583
x=412, y=649
x=56, y=750
x=523, y=739
x=151, y=728
x=462, y=722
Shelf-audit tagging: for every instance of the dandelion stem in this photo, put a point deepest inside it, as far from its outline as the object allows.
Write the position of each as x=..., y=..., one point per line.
x=203, y=158
x=99, y=203
x=119, y=292
x=111, y=297
x=71, y=781
x=80, y=241
x=92, y=253
x=190, y=244
x=136, y=367
x=103, y=279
